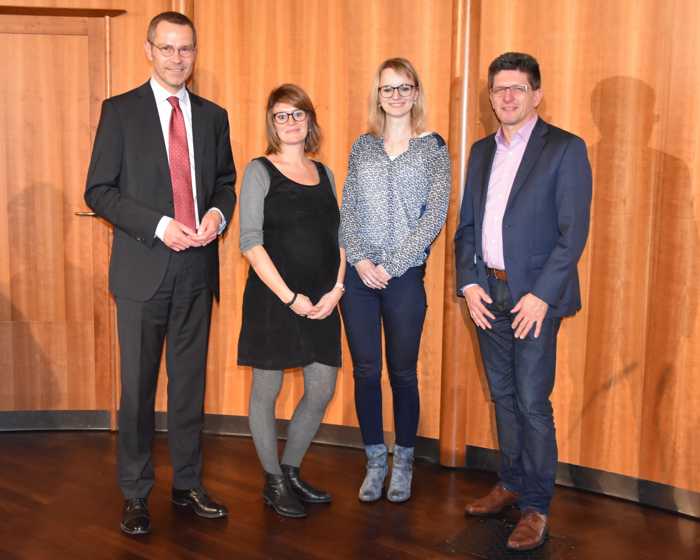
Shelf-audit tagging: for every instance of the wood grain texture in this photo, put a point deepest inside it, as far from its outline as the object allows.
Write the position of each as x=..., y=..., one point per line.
x=456, y=363
x=431, y=526
x=48, y=313
x=67, y=370
x=627, y=394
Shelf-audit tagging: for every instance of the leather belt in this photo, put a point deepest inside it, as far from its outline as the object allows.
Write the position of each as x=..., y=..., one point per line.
x=496, y=273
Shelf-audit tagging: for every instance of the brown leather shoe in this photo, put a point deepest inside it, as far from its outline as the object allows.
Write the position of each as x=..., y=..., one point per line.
x=494, y=502
x=530, y=532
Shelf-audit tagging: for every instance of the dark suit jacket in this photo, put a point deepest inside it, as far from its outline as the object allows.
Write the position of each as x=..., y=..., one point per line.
x=545, y=224
x=128, y=184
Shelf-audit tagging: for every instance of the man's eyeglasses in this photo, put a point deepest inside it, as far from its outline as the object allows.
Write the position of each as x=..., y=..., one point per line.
x=388, y=91
x=298, y=115
x=517, y=90
x=168, y=50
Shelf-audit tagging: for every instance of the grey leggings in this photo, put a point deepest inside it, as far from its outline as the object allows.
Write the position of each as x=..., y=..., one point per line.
x=319, y=386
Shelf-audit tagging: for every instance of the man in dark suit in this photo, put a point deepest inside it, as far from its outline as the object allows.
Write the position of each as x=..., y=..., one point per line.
x=162, y=173
x=523, y=225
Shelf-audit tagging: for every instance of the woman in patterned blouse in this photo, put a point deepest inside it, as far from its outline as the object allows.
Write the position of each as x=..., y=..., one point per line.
x=394, y=205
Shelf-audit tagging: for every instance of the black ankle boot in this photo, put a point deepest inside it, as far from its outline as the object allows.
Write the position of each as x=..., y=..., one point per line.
x=280, y=497
x=306, y=492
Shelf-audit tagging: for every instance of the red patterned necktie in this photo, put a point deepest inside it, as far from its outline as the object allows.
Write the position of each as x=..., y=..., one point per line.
x=180, y=173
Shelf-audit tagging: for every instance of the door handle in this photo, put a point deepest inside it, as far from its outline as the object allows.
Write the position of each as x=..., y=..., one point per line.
x=84, y=214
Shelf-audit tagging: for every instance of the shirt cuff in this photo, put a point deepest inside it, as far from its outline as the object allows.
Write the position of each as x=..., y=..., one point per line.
x=162, y=226
x=467, y=286
x=222, y=227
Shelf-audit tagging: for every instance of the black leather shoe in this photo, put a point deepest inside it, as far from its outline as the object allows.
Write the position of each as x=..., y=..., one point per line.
x=305, y=491
x=135, y=517
x=199, y=502
x=280, y=497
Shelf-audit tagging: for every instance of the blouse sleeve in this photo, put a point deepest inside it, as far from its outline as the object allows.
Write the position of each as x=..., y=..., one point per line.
x=331, y=179
x=433, y=218
x=256, y=184
x=350, y=237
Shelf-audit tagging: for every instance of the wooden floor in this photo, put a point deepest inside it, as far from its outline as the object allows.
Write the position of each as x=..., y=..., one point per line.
x=59, y=499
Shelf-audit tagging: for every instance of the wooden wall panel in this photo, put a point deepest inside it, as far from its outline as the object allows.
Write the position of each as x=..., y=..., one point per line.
x=129, y=66
x=69, y=375
x=627, y=392
x=331, y=48
x=47, y=311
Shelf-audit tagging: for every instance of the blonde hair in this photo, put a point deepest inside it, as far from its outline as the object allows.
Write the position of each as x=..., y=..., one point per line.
x=294, y=95
x=377, y=116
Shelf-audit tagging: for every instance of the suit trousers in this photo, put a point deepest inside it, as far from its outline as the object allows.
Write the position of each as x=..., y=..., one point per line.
x=520, y=375
x=401, y=308
x=179, y=311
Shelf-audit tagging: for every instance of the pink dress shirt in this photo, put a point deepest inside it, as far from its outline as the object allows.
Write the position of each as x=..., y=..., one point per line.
x=505, y=165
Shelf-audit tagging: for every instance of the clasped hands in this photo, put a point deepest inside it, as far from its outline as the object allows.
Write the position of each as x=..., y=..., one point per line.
x=372, y=276
x=179, y=237
x=324, y=307
x=530, y=311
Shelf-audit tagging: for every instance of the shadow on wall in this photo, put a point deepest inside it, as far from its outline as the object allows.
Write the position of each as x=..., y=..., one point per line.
x=21, y=355
x=642, y=297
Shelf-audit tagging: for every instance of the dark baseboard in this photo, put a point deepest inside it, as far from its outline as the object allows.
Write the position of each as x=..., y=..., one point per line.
x=644, y=492
x=25, y=420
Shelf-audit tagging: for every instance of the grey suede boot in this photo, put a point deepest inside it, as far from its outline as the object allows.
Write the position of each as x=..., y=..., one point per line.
x=401, y=475
x=373, y=484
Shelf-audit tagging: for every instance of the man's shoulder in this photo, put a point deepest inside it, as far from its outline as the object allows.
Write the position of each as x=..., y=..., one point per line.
x=554, y=133
x=128, y=96
x=485, y=141
x=481, y=145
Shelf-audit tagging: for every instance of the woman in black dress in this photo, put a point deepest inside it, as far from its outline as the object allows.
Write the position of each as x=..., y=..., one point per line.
x=289, y=234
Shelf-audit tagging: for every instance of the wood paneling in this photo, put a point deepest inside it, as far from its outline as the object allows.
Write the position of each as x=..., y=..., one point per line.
x=129, y=66
x=65, y=372
x=331, y=49
x=53, y=287
x=628, y=389
x=458, y=366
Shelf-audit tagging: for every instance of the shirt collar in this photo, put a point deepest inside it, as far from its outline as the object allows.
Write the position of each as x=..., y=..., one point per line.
x=161, y=94
x=523, y=134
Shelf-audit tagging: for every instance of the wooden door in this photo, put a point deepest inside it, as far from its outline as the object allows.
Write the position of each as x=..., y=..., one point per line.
x=56, y=326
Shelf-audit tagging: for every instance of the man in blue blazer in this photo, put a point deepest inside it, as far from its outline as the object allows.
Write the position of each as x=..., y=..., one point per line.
x=523, y=225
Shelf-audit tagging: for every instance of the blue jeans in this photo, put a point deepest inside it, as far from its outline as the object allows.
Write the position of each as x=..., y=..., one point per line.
x=520, y=374
x=401, y=308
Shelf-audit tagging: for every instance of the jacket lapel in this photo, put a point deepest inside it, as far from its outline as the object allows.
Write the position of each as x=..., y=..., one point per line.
x=198, y=128
x=153, y=133
x=486, y=164
x=532, y=153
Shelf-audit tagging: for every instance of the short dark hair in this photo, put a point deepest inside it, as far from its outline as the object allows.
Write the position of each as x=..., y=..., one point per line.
x=516, y=61
x=297, y=97
x=171, y=17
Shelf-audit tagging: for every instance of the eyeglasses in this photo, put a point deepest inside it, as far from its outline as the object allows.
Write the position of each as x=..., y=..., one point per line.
x=517, y=90
x=404, y=90
x=299, y=115
x=168, y=50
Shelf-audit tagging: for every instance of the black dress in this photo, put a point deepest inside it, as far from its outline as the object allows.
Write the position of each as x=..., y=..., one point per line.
x=300, y=233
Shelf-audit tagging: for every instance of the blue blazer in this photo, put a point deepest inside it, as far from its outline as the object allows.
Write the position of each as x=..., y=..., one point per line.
x=545, y=225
